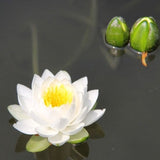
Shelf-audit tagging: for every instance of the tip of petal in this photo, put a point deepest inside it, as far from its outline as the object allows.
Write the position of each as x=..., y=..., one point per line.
x=46, y=70
x=81, y=84
x=63, y=75
x=85, y=80
x=97, y=90
x=59, y=139
x=47, y=73
x=93, y=116
x=103, y=110
x=18, y=86
x=10, y=107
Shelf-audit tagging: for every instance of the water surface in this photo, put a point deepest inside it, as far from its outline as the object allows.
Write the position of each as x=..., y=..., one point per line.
x=69, y=36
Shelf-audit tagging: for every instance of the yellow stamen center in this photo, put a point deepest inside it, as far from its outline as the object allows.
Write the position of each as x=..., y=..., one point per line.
x=57, y=95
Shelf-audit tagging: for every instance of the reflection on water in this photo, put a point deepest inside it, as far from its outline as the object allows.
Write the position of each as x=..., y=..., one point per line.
x=138, y=55
x=21, y=143
x=74, y=151
x=67, y=30
x=110, y=58
x=113, y=54
x=95, y=131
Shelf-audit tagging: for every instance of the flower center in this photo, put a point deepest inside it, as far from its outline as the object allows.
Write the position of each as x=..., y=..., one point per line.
x=57, y=95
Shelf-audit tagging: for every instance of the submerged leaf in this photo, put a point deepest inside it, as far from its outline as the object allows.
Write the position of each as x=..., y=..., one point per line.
x=37, y=144
x=79, y=137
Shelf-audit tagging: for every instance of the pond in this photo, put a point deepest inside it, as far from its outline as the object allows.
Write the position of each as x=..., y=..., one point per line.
x=69, y=35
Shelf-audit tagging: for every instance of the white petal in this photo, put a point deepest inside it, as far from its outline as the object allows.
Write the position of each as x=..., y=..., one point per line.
x=17, y=112
x=46, y=74
x=36, y=87
x=71, y=112
x=71, y=130
x=78, y=106
x=26, y=126
x=80, y=116
x=60, y=124
x=46, y=131
x=43, y=117
x=23, y=90
x=81, y=84
x=65, y=111
x=25, y=103
x=59, y=139
x=92, y=98
x=63, y=75
x=93, y=116
x=37, y=81
x=49, y=116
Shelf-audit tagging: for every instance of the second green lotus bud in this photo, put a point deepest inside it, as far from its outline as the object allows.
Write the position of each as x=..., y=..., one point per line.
x=144, y=35
x=117, y=33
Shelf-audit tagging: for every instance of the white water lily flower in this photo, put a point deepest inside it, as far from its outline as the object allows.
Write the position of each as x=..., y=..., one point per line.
x=55, y=107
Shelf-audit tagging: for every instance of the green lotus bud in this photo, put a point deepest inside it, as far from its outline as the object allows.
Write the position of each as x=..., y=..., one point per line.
x=117, y=33
x=144, y=36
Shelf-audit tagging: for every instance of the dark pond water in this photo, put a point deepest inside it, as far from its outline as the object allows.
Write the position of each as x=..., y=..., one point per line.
x=68, y=35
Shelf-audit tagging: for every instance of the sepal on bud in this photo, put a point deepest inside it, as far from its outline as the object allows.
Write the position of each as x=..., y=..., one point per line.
x=117, y=32
x=144, y=35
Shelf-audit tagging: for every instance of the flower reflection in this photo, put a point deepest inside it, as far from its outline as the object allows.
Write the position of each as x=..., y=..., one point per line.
x=95, y=131
x=75, y=152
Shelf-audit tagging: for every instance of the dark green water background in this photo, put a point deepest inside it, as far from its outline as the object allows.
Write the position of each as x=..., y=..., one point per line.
x=70, y=37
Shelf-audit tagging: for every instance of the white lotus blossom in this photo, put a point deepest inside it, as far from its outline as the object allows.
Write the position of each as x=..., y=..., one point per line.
x=55, y=107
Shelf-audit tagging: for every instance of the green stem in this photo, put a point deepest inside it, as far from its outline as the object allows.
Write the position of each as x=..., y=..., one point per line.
x=35, y=65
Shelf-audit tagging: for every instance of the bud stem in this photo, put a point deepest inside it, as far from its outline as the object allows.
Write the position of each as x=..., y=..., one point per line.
x=144, y=55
